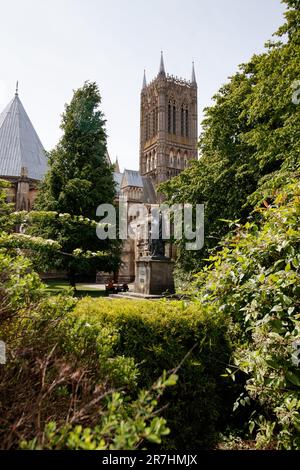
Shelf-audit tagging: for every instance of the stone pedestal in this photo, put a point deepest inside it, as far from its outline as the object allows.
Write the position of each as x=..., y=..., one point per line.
x=154, y=276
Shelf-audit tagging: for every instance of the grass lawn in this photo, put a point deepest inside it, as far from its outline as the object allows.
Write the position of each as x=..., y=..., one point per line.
x=57, y=286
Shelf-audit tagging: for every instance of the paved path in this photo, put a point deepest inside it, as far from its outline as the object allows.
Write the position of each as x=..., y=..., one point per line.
x=98, y=286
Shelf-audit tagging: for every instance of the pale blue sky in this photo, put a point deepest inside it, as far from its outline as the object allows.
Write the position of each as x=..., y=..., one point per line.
x=53, y=46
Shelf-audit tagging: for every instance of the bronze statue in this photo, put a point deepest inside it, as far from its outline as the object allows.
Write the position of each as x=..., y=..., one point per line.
x=157, y=245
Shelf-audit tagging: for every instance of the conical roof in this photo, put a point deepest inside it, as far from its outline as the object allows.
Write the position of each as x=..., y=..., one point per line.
x=20, y=146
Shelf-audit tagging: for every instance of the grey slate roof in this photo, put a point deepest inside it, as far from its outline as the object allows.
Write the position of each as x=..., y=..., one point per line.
x=132, y=178
x=149, y=194
x=20, y=145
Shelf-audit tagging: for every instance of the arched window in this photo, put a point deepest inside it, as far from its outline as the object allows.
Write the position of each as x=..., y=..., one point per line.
x=186, y=122
x=171, y=158
x=174, y=119
x=178, y=159
x=169, y=118
x=148, y=126
x=185, y=159
x=153, y=123
x=182, y=121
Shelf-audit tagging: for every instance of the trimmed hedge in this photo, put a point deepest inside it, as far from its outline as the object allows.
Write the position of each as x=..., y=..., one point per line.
x=157, y=336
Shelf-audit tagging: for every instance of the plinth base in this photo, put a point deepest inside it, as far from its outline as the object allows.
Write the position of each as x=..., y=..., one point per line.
x=154, y=276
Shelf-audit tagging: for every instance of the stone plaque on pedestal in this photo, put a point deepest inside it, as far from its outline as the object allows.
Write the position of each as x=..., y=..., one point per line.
x=154, y=276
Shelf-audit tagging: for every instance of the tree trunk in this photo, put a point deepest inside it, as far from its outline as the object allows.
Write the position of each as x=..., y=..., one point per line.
x=71, y=277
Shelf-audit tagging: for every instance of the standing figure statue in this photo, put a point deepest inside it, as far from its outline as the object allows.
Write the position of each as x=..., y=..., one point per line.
x=157, y=245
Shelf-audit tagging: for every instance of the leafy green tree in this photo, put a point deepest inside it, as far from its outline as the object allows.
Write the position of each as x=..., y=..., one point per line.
x=79, y=179
x=254, y=279
x=249, y=143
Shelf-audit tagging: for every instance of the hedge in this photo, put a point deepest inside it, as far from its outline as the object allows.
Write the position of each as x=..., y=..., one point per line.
x=157, y=336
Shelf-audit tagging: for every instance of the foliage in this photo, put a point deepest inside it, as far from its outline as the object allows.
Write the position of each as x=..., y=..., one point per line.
x=20, y=287
x=249, y=144
x=79, y=179
x=158, y=335
x=123, y=426
x=81, y=388
x=255, y=280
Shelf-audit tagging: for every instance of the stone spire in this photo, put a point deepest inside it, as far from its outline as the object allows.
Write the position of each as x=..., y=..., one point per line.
x=117, y=166
x=193, y=79
x=162, y=65
x=144, y=80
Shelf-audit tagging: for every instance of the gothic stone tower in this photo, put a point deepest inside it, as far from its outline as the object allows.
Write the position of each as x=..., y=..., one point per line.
x=168, y=126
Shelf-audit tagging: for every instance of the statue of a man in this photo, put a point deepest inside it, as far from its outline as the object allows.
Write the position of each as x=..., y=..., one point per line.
x=157, y=245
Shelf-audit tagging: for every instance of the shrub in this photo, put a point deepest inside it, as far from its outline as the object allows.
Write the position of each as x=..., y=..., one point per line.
x=255, y=280
x=158, y=336
x=56, y=395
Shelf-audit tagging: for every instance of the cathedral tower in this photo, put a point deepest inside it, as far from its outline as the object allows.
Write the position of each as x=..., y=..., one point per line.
x=168, y=125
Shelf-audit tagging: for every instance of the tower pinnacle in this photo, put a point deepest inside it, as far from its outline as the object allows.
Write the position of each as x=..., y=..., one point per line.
x=162, y=65
x=17, y=88
x=117, y=166
x=144, y=80
x=193, y=79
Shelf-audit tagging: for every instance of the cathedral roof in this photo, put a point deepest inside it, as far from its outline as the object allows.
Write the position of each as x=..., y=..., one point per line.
x=149, y=194
x=132, y=178
x=20, y=146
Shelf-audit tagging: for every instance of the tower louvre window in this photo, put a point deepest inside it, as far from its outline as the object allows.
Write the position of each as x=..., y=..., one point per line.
x=148, y=126
x=174, y=119
x=186, y=123
x=169, y=118
x=153, y=123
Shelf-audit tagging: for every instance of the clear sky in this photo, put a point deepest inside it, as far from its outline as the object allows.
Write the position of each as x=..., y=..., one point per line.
x=53, y=46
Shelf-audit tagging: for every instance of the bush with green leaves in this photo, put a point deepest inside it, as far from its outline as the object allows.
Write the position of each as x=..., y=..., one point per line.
x=63, y=389
x=124, y=425
x=255, y=280
x=157, y=336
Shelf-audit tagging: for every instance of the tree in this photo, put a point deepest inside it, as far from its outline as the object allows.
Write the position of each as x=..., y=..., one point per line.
x=250, y=141
x=79, y=179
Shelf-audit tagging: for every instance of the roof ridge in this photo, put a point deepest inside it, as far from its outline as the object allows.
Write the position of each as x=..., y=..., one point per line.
x=20, y=145
x=6, y=111
x=19, y=132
